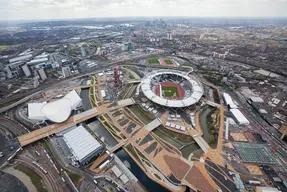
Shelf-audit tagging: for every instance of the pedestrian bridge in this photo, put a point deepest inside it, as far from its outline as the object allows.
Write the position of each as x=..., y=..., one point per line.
x=38, y=134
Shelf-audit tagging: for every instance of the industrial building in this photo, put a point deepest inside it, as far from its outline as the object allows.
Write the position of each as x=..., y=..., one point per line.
x=239, y=117
x=82, y=144
x=228, y=101
x=66, y=71
x=21, y=58
x=42, y=74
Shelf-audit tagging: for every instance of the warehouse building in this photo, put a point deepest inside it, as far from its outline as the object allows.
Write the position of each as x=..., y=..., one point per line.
x=83, y=145
x=228, y=101
x=239, y=117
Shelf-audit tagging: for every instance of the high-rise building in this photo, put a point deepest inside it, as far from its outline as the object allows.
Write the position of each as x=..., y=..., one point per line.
x=83, y=52
x=26, y=70
x=169, y=35
x=66, y=71
x=42, y=74
x=66, y=51
x=2, y=68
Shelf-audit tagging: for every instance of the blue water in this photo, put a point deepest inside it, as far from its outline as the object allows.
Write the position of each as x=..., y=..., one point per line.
x=150, y=185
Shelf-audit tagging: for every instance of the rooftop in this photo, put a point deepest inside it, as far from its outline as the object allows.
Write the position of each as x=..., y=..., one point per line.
x=81, y=142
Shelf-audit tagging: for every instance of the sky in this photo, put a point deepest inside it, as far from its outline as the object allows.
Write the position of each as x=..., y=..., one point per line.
x=64, y=9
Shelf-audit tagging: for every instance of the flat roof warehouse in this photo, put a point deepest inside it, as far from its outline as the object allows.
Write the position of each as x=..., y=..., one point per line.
x=81, y=143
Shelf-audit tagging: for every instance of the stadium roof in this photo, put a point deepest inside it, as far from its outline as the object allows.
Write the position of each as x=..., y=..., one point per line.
x=81, y=142
x=57, y=111
x=192, y=99
x=74, y=98
x=35, y=111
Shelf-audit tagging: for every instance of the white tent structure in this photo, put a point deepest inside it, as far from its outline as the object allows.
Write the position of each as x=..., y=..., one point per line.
x=35, y=111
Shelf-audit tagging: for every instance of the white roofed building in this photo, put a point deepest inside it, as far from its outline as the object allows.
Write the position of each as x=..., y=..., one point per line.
x=82, y=144
x=35, y=111
x=56, y=111
x=228, y=101
x=74, y=98
x=239, y=117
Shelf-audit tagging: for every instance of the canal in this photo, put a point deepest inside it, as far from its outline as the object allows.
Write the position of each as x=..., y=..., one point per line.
x=96, y=126
x=149, y=184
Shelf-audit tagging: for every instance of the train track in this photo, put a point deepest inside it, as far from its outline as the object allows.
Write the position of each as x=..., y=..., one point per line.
x=17, y=130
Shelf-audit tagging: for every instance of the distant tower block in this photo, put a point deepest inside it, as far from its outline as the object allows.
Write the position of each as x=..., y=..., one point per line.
x=117, y=74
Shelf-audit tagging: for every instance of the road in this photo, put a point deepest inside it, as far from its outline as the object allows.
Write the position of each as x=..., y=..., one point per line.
x=29, y=154
x=21, y=98
x=65, y=163
x=268, y=133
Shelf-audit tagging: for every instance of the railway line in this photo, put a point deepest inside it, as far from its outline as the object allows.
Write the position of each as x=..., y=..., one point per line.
x=29, y=154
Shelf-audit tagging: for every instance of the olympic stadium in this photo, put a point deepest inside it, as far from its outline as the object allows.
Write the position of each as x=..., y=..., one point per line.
x=172, y=89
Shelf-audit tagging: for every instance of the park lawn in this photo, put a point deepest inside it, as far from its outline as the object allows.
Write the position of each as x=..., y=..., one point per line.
x=153, y=61
x=73, y=176
x=168, y=62
x=187, y=64
x=169, y=91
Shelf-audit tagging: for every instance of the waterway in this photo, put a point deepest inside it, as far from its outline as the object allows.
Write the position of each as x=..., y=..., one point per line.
x=203, y=124
x=149, y=184
x=22, y=177
x=96, y=126
x=85, y=99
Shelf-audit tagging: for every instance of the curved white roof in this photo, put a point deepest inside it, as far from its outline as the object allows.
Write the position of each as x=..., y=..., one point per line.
x=57, y=111
x=192, y=99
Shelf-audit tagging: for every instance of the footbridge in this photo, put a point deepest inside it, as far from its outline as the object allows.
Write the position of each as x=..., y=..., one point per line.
x=201, y=142
x=38, y=134
x=119, y=145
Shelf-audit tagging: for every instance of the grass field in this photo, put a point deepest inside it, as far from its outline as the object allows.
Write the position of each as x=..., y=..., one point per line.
x=168, y=91
x=167, y=61
x=153, y=61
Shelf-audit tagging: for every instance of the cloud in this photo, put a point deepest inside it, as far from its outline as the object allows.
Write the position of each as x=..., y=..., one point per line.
x=51, y=9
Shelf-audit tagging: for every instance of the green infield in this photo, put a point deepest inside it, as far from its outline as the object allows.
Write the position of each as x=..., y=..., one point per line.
x=168, y=91
x=168, y=62
x=153, y=61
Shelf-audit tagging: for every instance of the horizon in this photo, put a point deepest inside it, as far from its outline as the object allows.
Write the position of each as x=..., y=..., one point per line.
x=80, y=9
x=131, y=18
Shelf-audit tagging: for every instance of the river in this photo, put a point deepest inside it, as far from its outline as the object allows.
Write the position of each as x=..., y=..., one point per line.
x=22, y=177
x=149, y=184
